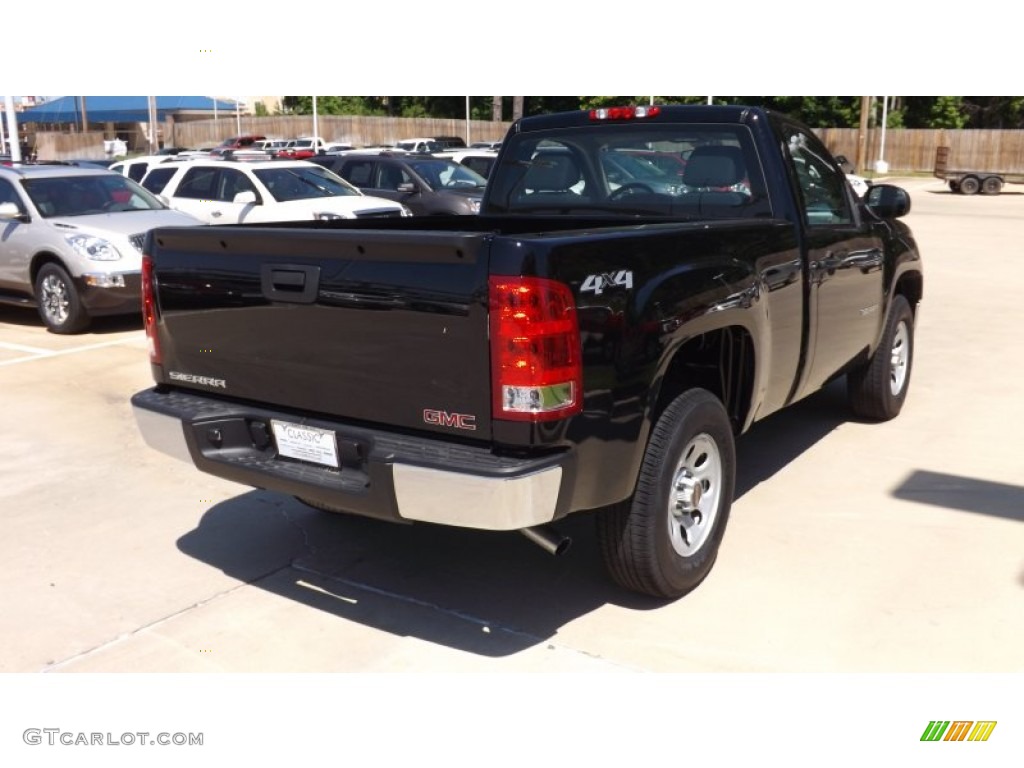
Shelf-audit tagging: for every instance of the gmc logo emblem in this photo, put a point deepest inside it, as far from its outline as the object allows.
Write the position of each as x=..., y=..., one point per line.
x=445, y=419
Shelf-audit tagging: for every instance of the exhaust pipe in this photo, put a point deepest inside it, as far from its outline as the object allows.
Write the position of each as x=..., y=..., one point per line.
x=548, y=539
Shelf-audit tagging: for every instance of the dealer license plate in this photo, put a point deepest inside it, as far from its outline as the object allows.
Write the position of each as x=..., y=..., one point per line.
x=296, y=441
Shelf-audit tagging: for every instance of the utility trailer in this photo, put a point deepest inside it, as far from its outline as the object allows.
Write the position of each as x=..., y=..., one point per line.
x=969, y=182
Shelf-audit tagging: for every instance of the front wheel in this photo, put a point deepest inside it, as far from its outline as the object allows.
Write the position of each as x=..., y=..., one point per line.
x=664, y=540
x=59, y=305
x=878, y=388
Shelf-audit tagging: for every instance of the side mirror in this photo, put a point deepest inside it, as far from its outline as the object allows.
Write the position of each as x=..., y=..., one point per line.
x=887, y=201
x=10, y=211
x=245, y=198
x=407, y=188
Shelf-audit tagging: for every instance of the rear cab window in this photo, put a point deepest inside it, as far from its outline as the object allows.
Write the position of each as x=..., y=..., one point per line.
x=699, y=170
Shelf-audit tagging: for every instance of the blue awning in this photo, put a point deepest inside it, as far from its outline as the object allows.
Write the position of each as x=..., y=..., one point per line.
x=118, y=109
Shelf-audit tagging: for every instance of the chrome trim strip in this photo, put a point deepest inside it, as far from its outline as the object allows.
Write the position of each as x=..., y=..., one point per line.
x=163, y=433
x=469, y=501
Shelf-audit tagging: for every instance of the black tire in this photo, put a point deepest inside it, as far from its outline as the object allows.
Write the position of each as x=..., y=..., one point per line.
x=991, y=185
x=954, y=186
x=59, y=304
x=665, y=551
x=969, y=185
x=878, y=389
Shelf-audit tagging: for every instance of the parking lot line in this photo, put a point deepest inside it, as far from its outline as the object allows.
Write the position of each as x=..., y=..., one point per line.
x=41, y=354
x=23, y=348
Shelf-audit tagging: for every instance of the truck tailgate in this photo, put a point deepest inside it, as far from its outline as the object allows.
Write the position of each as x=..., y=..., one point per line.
x=372, y=326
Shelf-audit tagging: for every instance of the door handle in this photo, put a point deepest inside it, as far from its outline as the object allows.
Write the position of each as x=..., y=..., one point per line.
x=295, y=283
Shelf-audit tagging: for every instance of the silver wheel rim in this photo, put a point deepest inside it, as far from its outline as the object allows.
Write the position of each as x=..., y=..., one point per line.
x=898, y=359
x=693, y=498
x=55, y=299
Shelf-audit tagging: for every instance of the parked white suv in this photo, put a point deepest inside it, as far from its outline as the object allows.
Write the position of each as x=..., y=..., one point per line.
x=261, y=191
x=72, y=241
x=135, y=167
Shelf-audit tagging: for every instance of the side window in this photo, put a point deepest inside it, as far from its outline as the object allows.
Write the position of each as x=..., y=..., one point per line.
x=390, y=176
x=823, y=187
x=8, y=194
x=198, y=184
x=157, y=179
x=231, y=183
x=359, y=173
x=481, y=165
x=137, y=170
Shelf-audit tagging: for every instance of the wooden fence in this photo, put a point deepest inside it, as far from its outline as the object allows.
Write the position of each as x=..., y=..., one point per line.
x=358, y=131
x=905, y=150
x=914, y=150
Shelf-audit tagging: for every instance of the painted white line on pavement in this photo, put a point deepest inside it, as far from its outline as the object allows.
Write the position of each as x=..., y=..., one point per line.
x=23, y=348
x=44, y=354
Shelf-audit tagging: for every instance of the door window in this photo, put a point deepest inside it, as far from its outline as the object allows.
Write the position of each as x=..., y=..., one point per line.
x=822, y=186
x=198, y=184
x=358, y=172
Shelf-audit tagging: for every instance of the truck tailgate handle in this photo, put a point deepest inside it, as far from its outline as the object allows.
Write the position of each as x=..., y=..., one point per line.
x=296, y=283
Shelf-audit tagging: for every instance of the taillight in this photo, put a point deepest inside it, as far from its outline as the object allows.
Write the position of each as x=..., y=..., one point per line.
x=624, y=113
x=536, y=362
x=149, y=310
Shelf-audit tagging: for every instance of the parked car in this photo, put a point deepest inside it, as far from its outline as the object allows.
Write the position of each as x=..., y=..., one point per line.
x=479, y=160
x=419, y=145
x=72, y=243
x=236, y=142
x=451, y=142
x=236, y=192
x=427, y=185
x=495, y=145
x=270, y=145
x=136, y=167
x=303, y=148
x=83, y=163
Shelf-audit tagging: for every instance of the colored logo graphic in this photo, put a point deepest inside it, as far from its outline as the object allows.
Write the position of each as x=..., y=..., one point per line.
x=958, y=730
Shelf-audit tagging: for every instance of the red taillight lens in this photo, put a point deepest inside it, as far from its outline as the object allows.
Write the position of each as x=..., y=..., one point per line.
x=149, y=310
x=536, y=362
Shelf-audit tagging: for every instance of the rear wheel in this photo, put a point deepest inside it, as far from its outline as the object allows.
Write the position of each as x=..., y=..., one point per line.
x=59, y=305
x=878, y=389
x=969, y=185
x=992, y=185
x=664, y=540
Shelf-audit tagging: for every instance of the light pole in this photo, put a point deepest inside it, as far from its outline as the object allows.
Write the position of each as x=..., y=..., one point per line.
x=12, y=129
x=881, y=166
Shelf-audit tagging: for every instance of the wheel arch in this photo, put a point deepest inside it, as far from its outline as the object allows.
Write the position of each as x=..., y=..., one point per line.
x=724, y=362
x=910, y=285
x=42, y=258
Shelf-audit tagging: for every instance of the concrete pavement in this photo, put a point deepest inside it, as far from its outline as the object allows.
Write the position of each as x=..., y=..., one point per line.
x=851, y=547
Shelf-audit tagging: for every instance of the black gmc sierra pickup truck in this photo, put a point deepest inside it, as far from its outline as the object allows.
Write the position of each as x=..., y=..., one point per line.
x=642, y=284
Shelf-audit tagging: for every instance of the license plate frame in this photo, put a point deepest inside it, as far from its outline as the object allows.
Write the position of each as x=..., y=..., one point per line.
x=301, y=442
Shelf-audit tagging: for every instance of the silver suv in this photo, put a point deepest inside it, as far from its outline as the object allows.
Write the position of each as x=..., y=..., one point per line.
x=71, y=241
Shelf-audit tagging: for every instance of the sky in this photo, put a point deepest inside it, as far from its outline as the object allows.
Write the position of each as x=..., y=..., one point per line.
x=527, y=47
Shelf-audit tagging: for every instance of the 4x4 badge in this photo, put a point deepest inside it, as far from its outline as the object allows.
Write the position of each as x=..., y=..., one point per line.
x=597, y=283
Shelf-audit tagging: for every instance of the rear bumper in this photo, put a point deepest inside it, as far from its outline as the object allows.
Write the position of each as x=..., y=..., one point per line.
x=383, y=474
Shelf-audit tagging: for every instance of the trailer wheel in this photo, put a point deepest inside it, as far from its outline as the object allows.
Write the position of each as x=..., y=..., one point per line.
x=663, y=541
x=992, y=185
x=954, y=185
x=969, y=185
